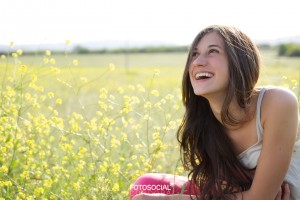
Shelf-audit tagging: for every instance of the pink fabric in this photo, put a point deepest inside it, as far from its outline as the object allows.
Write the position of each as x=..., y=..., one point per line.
x=162, y=183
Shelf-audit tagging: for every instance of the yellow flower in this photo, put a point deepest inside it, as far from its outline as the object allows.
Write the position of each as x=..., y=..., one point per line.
x=163, y=101
x=45, y=60
x=104, y=167
x=115, y=168
x=120, y=90
x=33, y=78
x=84, y=79
x=50, y=95
x=3, y=57
x=129, y=165
x=3, y=149
x=75, y=62
x=25, y=175
x=141, y=88
x=42, y=154
x=103, y=105
x=146, y=117
x=176, y=107
x=180, y=170
x=15, y=55
x=111, y=67
x=135, y=100
x=52, y=61
x=76, y=186
x=58, y=101
x=23, y=68
x=123, y=136
x=155, y=93
x=116, y=187
x=21, y=195
x=159, y=168
x=10, y=79
x=48, y=53
x=138, y=146
x=55, y=70
x=68, y=42
x=80, y=166
x=11, y=44
x=67, y=147
x=3, y=169
x=157, y=105
x=103, y=93
x=169, y=97
x=148, y=105
x=114, y=142
x=5, y=183
x=112, y=97
x=155, y=135
x=19, y=52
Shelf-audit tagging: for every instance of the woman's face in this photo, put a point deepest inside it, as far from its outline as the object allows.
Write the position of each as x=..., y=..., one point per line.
x=209, y=70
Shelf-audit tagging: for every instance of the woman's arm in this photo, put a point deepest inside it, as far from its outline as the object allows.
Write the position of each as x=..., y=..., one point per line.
x=280, y=124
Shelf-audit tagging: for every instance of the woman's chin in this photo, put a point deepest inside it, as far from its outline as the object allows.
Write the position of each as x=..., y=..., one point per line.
x=201, y=92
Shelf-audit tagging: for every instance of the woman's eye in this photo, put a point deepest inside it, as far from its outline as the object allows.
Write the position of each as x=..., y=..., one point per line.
x=213, y=51
x=195, y=54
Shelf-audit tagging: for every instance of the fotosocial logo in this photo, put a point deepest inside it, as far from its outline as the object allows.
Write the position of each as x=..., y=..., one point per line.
x=166, y=189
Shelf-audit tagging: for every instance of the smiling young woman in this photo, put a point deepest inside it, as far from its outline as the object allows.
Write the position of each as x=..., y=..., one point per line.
x=238, y=141
x=210, y=80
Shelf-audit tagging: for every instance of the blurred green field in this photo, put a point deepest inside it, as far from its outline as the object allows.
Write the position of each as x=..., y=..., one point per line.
x=132, y=68
x=86, y=126
x=281, y=71
x=274, y=67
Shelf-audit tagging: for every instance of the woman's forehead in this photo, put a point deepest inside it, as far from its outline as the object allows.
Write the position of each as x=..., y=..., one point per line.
x=210, y=39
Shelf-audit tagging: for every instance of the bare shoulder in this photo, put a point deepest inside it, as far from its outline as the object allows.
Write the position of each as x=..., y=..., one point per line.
x=279, y=101
x=275, y=95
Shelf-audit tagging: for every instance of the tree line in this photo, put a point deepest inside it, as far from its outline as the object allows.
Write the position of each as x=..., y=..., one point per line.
x=290, y=49
x=149, y=49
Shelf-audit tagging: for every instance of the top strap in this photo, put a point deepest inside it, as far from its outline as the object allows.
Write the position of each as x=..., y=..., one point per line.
x=258, y=111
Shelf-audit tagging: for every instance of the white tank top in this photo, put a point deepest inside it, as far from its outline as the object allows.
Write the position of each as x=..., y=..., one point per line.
x=249, y=157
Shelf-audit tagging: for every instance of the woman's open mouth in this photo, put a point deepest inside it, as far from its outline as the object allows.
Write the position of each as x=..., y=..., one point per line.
x=203, y=75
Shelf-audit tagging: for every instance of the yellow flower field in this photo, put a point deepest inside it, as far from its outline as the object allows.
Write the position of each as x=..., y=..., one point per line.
x=71, y=131
x=65, y=136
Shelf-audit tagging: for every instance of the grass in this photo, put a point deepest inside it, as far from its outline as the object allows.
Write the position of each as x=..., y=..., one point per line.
x=121, y=60
x=78, y=127
x=280, y=71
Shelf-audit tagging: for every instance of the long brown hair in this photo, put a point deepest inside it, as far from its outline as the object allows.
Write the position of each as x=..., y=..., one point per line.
x=206, y=150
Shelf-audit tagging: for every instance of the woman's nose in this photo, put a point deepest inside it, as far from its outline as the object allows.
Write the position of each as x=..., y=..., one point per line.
x=199, y=60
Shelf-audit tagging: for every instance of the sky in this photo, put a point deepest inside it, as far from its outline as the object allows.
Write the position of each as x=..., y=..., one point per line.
x=167, y=21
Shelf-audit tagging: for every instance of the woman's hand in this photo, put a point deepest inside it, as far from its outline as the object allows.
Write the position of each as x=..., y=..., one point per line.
x=284, y=192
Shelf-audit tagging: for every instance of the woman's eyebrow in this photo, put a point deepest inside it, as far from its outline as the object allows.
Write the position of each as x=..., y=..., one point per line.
x=215, y=45
x=210, y=46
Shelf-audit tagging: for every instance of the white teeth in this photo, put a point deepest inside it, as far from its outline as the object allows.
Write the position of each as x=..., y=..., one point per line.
x=203, y=75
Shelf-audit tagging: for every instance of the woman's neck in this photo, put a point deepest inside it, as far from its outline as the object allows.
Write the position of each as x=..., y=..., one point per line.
x=216, y=107
x=241, y=114
x=216, y=104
